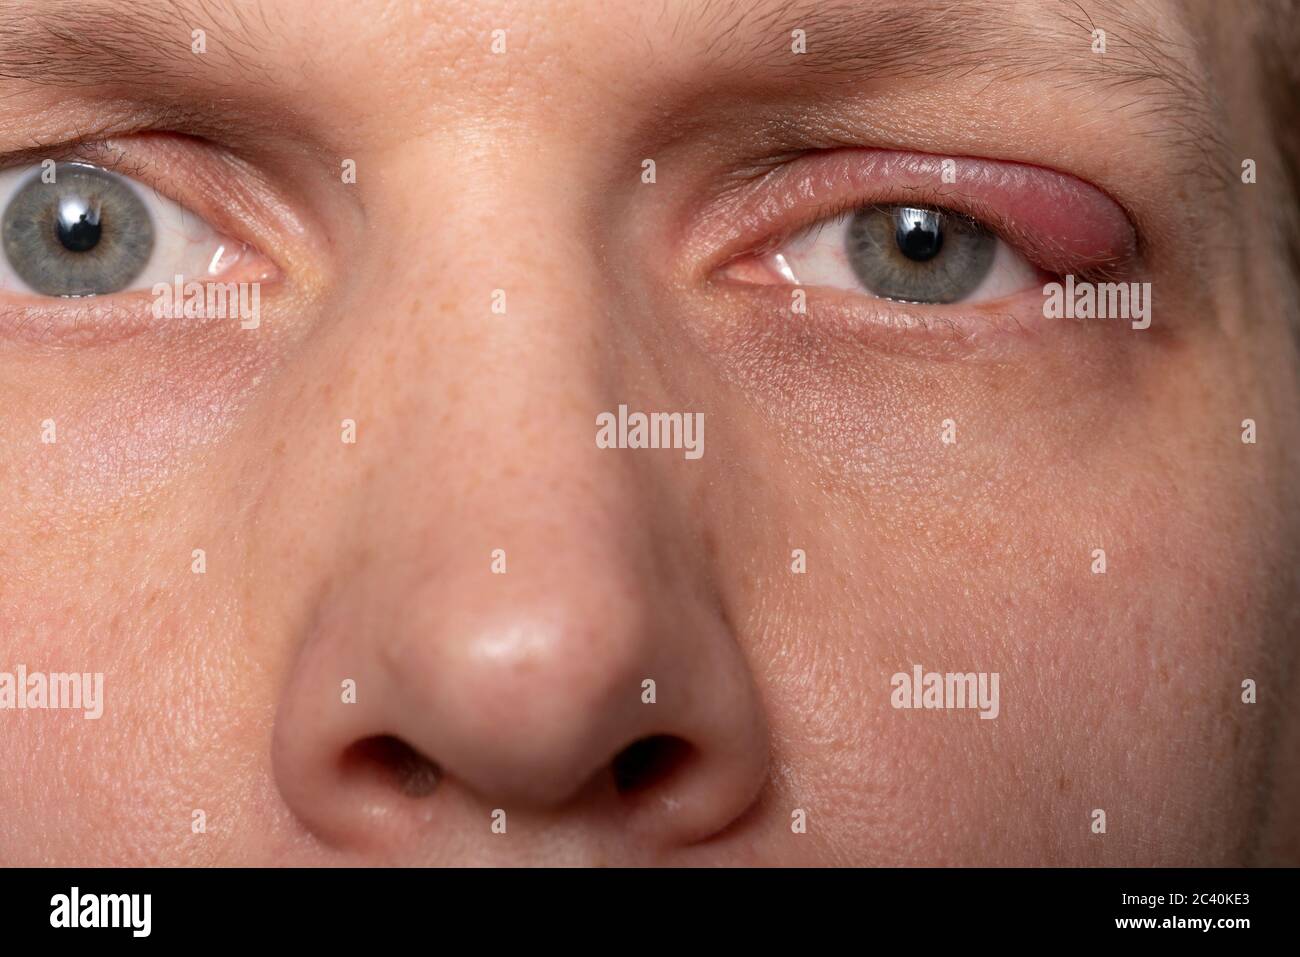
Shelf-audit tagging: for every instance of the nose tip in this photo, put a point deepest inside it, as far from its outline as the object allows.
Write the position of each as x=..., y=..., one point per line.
x=526, y=709
x=598, y=711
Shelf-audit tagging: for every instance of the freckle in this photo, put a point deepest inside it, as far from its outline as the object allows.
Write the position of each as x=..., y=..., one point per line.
x=279, y=449
x=710, y=545
x=1063, y=784
x=1162, y=675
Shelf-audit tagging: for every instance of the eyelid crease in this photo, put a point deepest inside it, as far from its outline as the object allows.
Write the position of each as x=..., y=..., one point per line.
x=120, y=121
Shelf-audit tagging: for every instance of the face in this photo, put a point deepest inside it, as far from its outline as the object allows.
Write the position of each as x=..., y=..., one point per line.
x=647, y=435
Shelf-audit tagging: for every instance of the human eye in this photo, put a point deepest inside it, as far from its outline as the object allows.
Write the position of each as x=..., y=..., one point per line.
x=104, y=239
x=906, y=253
x=920, y=242
x=73, y=230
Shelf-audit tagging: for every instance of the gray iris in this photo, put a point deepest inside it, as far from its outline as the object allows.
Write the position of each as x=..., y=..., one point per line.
x=915, y=254
x=85, y=234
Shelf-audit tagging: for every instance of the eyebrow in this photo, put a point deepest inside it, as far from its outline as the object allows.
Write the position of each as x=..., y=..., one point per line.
x=851, y=42
x=134, y=43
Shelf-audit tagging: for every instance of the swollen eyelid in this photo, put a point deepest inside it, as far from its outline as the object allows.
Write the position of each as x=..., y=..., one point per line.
x=1059, y=222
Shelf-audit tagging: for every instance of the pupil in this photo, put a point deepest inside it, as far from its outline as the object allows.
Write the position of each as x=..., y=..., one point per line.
x=78, y=225
x=918, y=233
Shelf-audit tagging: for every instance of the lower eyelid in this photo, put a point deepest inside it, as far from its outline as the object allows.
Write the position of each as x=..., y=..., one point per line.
x=986, y=332
x=1009, y=329
x=75, y=322
x=104, y=320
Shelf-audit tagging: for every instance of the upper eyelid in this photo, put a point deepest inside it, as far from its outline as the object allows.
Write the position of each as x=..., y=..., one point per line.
x=1059, y=223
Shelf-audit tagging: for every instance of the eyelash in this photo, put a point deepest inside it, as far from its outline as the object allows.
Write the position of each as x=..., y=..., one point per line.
x=104, y=155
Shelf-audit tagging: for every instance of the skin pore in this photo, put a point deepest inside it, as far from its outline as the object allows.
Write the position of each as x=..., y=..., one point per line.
x=521, y=170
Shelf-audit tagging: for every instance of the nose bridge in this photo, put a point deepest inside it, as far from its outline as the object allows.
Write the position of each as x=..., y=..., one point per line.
x=500, y=208
x=528, y=548
x=500, y=338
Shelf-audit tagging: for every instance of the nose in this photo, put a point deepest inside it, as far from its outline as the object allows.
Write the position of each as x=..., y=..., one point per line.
x=530, y=628
x=587, y=692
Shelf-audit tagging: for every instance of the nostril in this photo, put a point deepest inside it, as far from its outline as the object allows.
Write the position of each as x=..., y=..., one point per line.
x=394, y=760
x=650, y=761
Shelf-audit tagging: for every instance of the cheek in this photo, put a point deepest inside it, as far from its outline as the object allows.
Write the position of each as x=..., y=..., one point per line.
x=96, y=562
x=185, y=723
x=1117, y=688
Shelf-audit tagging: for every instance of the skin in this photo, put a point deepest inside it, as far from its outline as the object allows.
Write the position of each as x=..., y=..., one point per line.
x=372, y=561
